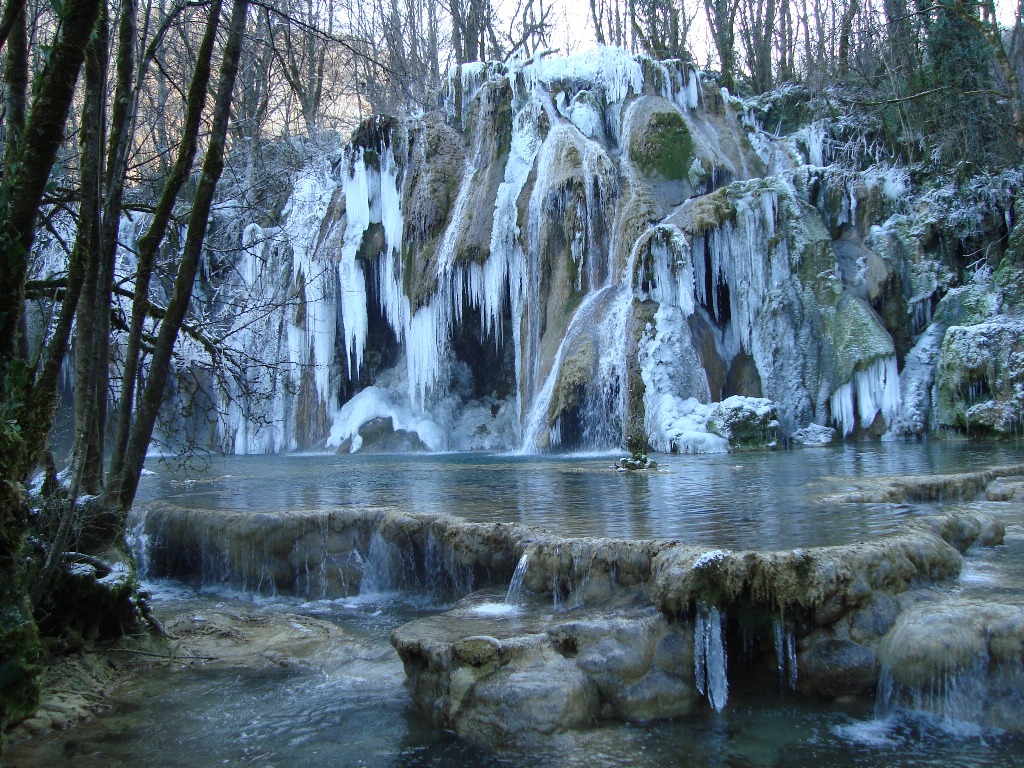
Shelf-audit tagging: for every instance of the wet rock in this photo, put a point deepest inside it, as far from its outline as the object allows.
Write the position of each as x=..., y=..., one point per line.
x=540, y=695
x=958, y=658
x=961, y=529
x=609, y=627
x=826, y=581
x=522, y=677
x=958, y=487
x=1006, y=489
x=838, y=668
x=870, y=623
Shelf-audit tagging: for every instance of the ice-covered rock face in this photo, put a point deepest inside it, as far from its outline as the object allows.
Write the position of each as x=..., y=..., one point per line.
x=981, y=377
x=579, y=251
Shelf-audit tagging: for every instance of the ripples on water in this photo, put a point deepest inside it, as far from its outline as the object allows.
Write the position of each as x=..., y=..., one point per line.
x=762, y=499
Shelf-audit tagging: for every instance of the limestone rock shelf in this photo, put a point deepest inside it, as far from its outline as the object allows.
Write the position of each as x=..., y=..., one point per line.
x=637, y=629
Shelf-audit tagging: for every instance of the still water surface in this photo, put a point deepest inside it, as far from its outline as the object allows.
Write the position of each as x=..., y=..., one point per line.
x=758, y=499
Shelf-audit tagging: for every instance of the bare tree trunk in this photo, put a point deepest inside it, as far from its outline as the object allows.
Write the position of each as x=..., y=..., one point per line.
x=721, y=15
x=846, y=36
x=87, y=452
x=149, y=243
x=213, y=165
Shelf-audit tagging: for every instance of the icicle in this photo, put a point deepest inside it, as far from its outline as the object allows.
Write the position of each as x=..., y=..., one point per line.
x=815, y=137
x=350, y=272
x=785, y=651
x=870, y=392
x=693, y=90
x=841, y=407
x=709, y=657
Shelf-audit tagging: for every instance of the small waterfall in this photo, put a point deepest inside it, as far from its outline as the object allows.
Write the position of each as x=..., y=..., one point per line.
x=138, y=542
x=581, y=582
x=955, y=696
x=514, y=596
x=785, y=653
x=537, y=418
x=381, y=567
x=444, y=575
x=709, y=660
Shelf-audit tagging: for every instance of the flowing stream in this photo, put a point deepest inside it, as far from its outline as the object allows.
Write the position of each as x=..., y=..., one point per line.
x=349, y=709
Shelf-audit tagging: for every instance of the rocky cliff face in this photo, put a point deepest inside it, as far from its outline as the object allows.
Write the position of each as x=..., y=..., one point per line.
x=580, y=251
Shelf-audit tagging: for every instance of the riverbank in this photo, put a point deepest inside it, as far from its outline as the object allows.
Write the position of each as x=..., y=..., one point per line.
x=78, y=687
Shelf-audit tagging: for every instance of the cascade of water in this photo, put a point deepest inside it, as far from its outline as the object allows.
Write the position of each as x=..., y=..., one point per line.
x=514, y=596
x=605, y=403
x=381, y=567
x=443, y=573
x=956, y=696
x=536, y=422
x=581, y=577
x=434, y=570
x=709, y=658
x=138, y=541
x=785, y=653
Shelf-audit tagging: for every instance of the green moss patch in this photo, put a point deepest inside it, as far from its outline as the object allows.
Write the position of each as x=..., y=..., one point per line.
x=664, y=148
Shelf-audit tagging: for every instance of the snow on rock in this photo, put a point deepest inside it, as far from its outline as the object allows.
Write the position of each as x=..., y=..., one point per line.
x=377, y=403
x=980, y=377
x=917, y=382
x=814, y=435
x=746, y=422
x=615, y=71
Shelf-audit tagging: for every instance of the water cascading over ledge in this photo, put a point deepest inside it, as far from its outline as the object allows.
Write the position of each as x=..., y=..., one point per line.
x=631, y=629
x=574, y=252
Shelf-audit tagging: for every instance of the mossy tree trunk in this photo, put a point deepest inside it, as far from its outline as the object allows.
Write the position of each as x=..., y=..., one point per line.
x=149, y=246
x=29, y=157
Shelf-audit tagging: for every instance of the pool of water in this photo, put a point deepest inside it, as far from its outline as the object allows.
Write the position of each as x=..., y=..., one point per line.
x=762, y=499
x=296, y=716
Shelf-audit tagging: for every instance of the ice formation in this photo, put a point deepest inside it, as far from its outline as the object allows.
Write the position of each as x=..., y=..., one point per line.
x=618, y=298
x=873, y=391
x=710, y=658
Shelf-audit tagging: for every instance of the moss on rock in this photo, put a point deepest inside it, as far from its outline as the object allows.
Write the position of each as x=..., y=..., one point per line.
x=663, y=148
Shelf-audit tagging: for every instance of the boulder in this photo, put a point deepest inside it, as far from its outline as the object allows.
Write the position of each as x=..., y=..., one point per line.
x=746, y=422
x=521, y=676
x=980, y=377
x=836, y=668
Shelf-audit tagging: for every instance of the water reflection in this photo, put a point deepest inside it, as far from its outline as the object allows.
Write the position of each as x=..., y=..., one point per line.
x=767, y=499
